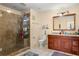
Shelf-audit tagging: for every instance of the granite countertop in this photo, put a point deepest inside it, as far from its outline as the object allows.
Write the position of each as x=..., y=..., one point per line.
x=64, y=35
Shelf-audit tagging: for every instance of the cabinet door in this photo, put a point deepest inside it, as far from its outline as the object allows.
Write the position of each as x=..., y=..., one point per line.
x=66, y=44
x=75, y=47
x=50, y=42
x=57, y=44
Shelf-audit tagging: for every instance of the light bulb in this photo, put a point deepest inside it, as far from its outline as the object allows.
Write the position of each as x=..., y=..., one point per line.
x=9, y=11
x=60, y=14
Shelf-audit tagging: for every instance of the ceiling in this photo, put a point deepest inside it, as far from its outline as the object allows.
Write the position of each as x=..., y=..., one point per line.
x=37, y=6
x=16, y=6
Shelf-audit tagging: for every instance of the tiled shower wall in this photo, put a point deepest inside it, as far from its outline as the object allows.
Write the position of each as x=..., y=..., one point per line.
x=9, y=24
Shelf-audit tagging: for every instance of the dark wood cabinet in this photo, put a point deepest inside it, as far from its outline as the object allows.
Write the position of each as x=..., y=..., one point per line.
x=67, y=44
x=75, y=46
x=51, y=42
x=57, y=44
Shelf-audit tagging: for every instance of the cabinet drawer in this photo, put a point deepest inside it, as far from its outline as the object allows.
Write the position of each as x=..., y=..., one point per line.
x=50, y=41
x=75, y=43
x=75, y=52
x=50, y=46
x=75, y=48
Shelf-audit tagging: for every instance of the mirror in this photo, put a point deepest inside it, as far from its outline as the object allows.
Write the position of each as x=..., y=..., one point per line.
x=65, y=22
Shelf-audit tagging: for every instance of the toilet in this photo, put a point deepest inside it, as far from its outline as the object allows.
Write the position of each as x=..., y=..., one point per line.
x=43, y=37
x=42, y=41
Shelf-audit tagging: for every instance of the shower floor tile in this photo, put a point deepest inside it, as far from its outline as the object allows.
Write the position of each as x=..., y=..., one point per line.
x=43, y=52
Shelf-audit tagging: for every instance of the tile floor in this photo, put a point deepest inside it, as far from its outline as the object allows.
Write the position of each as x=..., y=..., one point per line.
x=42, y=52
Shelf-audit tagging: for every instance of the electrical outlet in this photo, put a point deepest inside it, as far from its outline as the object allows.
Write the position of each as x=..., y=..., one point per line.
x=0, y=49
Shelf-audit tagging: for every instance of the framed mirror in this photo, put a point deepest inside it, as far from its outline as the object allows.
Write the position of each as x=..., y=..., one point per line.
x=65, y=22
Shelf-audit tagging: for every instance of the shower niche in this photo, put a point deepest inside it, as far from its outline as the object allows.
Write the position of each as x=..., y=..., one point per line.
x=26, y=29
x=24, y=32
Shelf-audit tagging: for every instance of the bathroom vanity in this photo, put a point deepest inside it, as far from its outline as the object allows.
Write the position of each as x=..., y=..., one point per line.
x=65, y=43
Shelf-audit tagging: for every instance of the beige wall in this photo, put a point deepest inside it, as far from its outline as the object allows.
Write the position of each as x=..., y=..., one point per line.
x=45, y=17
x=35, y=27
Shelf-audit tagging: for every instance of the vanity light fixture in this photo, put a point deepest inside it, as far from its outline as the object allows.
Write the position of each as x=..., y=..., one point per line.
x=62, y=13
